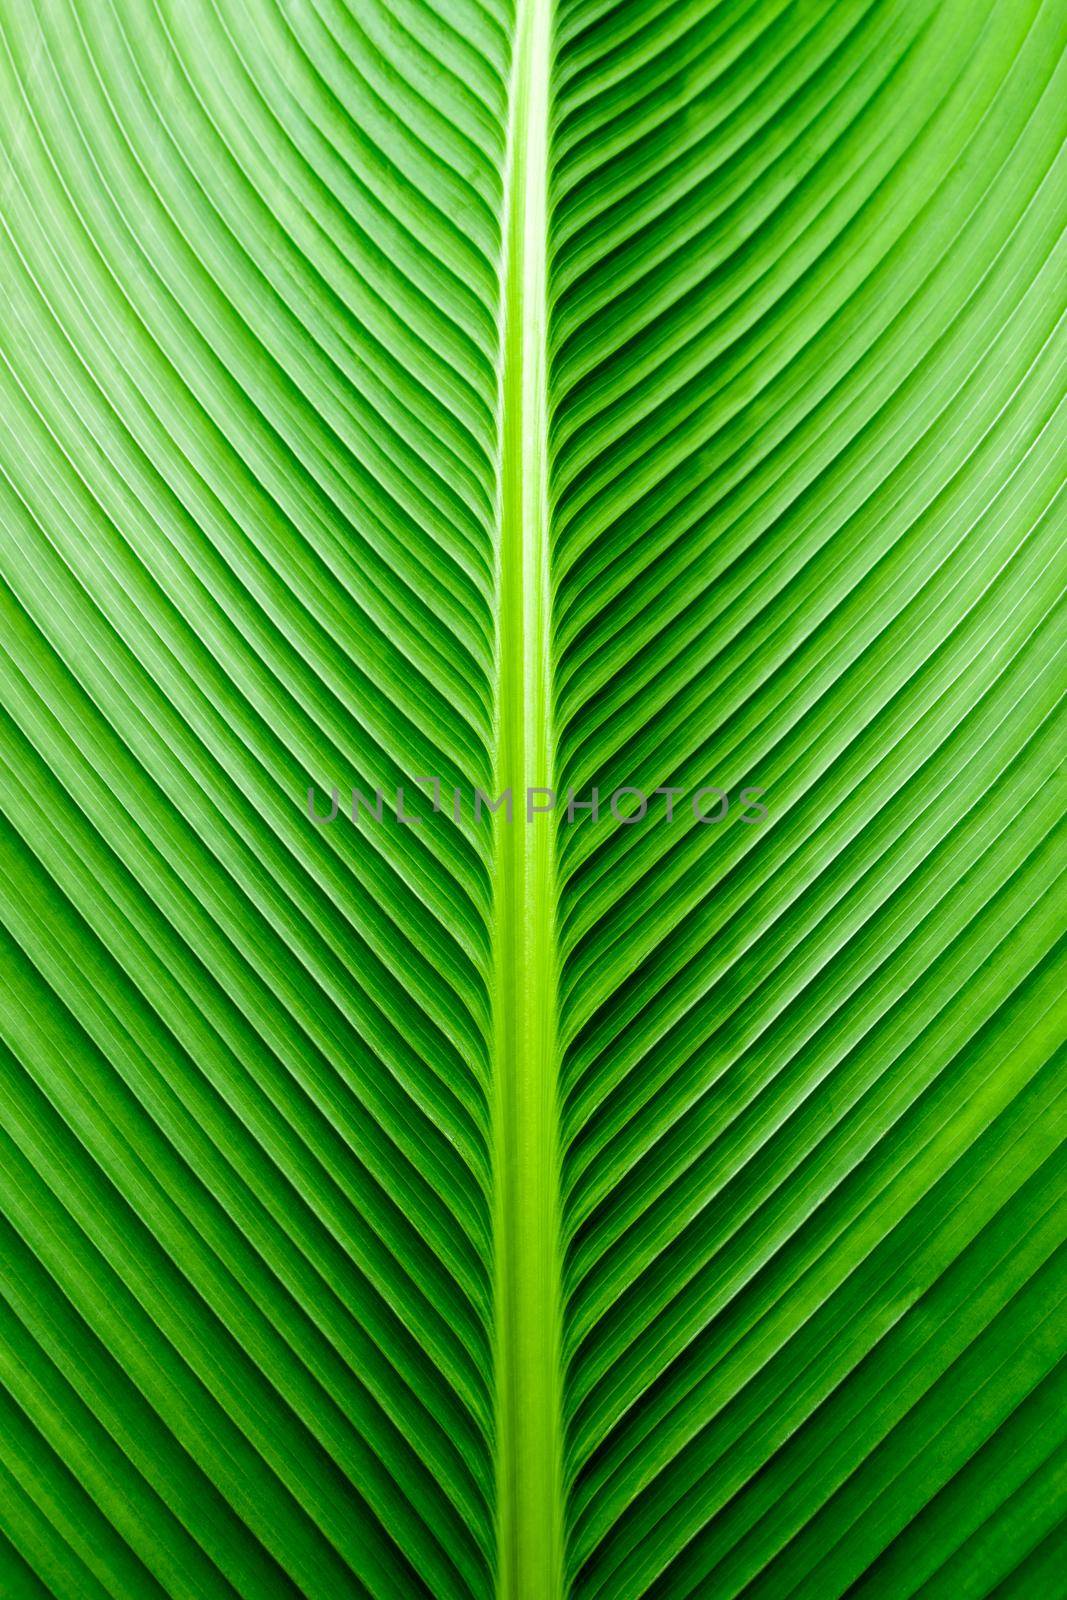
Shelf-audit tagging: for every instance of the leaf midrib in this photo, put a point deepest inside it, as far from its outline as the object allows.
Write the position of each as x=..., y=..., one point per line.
x=526, y=1049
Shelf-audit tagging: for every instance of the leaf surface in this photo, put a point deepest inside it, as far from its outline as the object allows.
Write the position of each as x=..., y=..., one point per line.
x=654, y=398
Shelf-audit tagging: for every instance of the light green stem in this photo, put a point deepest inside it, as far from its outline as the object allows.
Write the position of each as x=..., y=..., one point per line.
x=528, y=1262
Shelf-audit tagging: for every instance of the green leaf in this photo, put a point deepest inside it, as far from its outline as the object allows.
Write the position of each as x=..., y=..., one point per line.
x=655, y=398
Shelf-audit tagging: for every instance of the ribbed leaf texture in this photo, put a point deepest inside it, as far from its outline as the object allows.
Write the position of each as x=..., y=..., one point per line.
x=650, y=395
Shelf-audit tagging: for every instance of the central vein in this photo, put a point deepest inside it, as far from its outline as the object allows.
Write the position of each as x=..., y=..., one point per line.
x=528, y=1267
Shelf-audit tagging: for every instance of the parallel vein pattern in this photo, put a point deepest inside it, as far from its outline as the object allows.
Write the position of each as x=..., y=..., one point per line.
x=248, y=497
x=808, y=540
x=288, y=1243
